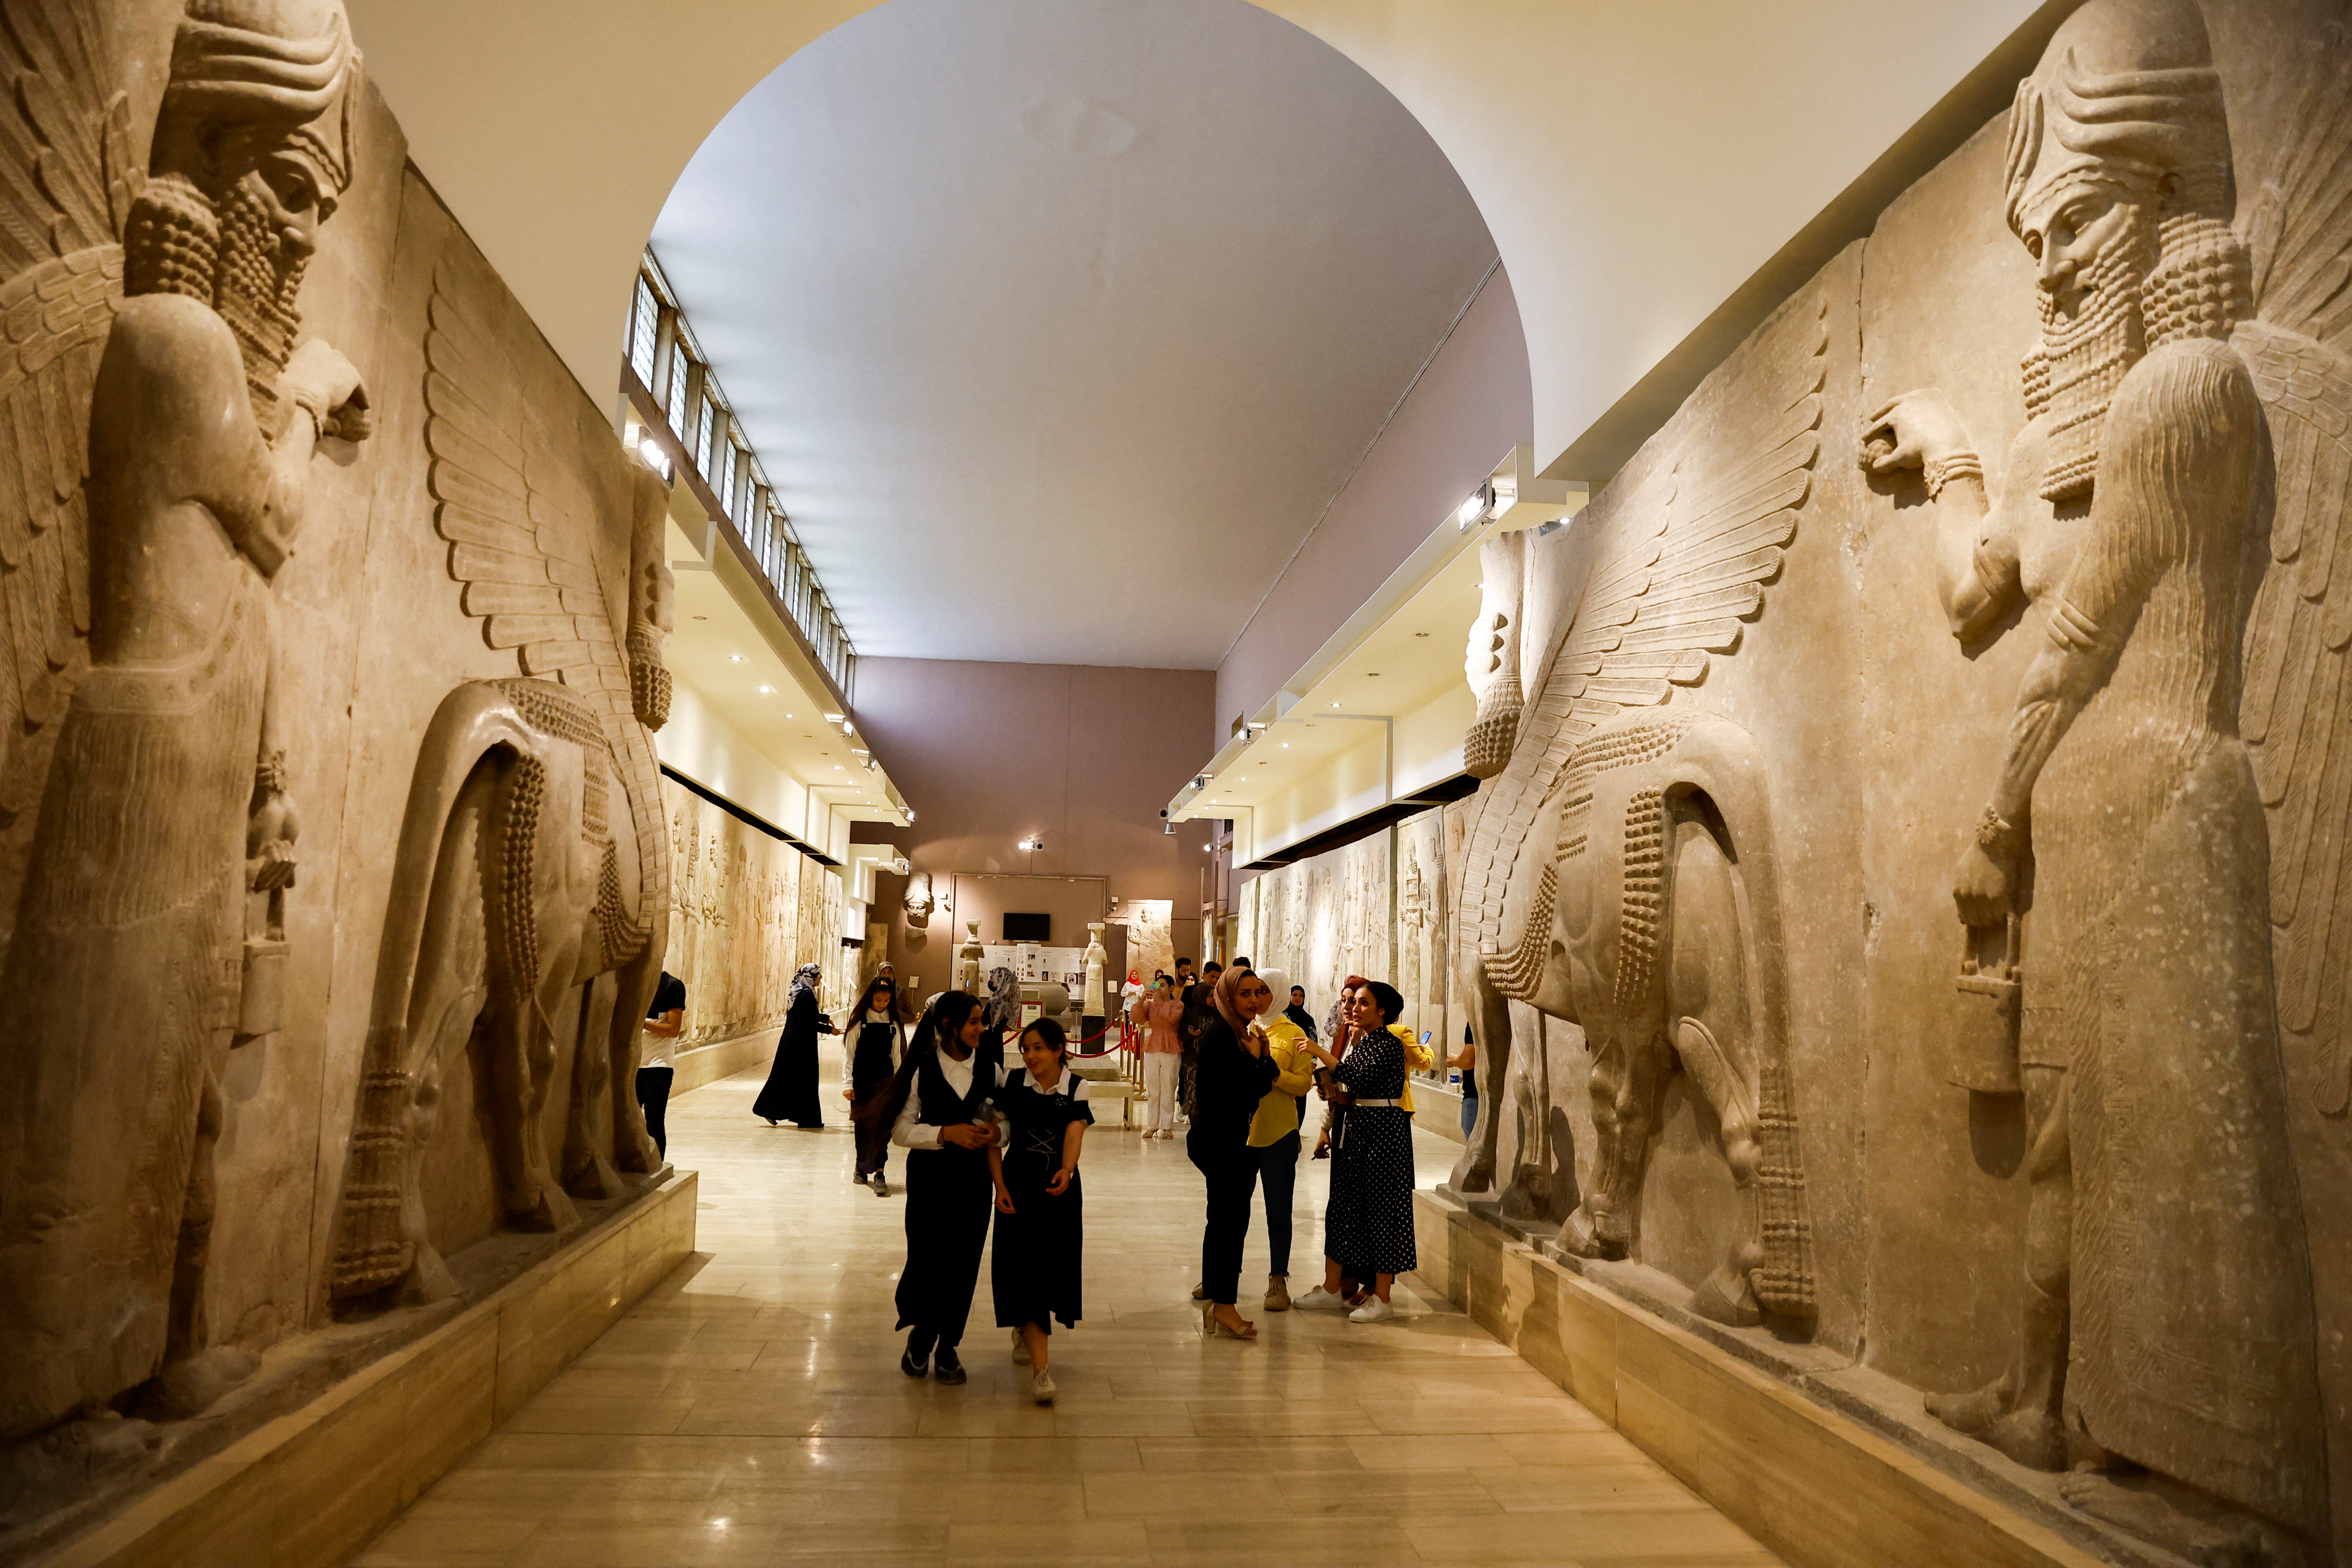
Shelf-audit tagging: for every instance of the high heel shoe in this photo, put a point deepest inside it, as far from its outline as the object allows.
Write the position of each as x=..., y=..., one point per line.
x=1212, y=1329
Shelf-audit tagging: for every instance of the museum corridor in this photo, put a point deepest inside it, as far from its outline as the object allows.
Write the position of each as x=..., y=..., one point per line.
x=750, y=1410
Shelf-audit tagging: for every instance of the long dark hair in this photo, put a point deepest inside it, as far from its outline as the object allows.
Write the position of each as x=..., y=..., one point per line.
x=865, y=1000
x=943, y=1020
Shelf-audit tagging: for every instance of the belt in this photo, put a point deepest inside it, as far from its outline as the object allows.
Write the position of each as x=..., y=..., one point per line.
x=1341, y=1140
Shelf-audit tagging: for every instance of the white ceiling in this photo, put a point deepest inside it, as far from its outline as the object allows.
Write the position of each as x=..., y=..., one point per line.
x=1057, y=322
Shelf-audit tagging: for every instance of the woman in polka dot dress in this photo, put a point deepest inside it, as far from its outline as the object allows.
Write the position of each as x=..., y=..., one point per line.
x=1368, y=1224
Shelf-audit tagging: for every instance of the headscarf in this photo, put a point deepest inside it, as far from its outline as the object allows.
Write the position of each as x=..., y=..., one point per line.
x=1229, y=983
x=2124, y=92
x=1335, y=1023
x=283, y=66
x=803, y=979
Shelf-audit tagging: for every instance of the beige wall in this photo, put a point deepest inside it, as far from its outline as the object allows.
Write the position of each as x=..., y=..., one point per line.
x=1080, y=755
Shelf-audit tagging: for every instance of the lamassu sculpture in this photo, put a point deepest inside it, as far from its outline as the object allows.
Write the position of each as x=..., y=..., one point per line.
x=1620, y=872
x=164, y=806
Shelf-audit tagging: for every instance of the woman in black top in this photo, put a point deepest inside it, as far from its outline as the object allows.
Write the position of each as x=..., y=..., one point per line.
x=1041, y=1117
x=1231, y=1075
x=874, y=1041
x=936, y=1106
x=790, y=1094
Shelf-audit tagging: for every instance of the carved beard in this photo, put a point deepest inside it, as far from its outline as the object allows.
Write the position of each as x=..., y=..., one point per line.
x=254, y=290
x=2073, y=374
x=180, y=241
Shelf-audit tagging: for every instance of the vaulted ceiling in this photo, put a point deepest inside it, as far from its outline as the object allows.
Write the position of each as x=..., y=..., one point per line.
x=1057, y=323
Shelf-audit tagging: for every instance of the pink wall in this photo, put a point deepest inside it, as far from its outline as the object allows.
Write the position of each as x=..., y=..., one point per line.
x=988, y=754
x=1471, y=406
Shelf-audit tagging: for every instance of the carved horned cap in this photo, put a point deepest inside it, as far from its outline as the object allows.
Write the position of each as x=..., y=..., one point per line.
x=2126, y=94
x=283, y=71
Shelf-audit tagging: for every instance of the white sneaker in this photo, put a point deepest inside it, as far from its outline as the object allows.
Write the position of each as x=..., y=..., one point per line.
x=1020, y=1348
x=1320, y=1298
x=1041, y=1388
x=1372, y=1311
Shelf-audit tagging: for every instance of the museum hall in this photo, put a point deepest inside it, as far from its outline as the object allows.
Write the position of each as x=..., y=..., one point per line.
x=1313, y=782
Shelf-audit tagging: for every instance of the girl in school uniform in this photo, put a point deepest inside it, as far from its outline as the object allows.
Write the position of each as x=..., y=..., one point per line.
x=1042, y=1118
x=937, y=1109
x=873, y=1045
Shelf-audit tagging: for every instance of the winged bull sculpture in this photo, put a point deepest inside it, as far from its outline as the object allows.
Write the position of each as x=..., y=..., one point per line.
x=1619, y=873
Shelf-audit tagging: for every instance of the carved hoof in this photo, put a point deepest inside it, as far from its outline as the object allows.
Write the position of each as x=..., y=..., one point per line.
x=1727, y=1296
x=548, y=1210
x=428, y=1280
x=596, y=1180
x=185, y=1386
x=1586, y=1236
x=1528, y=1197
x=1473, y=1175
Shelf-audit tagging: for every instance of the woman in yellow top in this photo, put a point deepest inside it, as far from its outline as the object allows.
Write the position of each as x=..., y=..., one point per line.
x=1273, y=1130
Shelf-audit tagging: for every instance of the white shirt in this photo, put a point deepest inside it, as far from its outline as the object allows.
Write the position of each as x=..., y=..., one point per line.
x=849, y=1045
x=910, y=1130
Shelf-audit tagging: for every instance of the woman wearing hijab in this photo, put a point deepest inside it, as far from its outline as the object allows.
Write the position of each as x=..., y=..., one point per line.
x=1232, y=1070
x=1368, y=1223
x=1297, y=1012
x=872, y=1046
x=790, y=1094
x=1274, y=1126
x=938, y=1108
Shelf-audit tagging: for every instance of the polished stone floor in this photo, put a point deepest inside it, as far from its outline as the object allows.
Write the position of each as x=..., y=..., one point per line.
x=751, y=1410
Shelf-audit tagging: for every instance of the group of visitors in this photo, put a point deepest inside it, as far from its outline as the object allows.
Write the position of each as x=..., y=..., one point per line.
x=1254, y=1068
x=1230, y=1056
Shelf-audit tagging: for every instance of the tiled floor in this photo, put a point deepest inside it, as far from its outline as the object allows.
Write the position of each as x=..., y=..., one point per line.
x=751, y=1410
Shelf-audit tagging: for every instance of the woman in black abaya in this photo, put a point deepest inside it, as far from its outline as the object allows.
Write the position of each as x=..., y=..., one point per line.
x=790, y=1094
x=938, y=1109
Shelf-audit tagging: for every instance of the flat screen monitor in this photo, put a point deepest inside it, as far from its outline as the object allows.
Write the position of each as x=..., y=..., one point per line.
x=1027, y=927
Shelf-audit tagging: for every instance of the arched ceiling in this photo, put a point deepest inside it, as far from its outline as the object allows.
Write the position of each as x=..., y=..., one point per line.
x=1057, y=323
x=1636, y=162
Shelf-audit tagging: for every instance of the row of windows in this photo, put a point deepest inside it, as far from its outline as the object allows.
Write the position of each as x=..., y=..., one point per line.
x=662, y=354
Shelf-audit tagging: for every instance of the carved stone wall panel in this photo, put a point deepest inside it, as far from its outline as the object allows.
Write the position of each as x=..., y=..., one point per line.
x=2036, y=1286
x=1150, y=942
x=734, y=925
x=1948, y=299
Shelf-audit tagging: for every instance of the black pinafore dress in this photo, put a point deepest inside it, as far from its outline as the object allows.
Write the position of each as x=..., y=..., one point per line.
x=949, y=1200
x=1035, y=1268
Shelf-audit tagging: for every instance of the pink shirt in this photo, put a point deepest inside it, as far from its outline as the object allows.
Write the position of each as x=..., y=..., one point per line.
x=1159, y=1021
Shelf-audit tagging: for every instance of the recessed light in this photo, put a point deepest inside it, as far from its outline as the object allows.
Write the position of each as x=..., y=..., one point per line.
x=1335, y=705
x=1371, y=675
x=736, y=657
x=697, y=617
x=769, y=691
x=1421, y=634
x=1285, y=745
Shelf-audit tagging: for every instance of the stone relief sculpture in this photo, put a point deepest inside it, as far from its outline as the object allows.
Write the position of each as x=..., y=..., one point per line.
x=164, y=809
x=1621, y=872
x=516, y=884
x=919, y=903
x=2167, y=782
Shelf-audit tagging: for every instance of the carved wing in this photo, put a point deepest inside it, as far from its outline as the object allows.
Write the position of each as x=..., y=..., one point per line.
x=518, y=524
x=1685, y=563
x=2295, y=711
x=66, y=184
